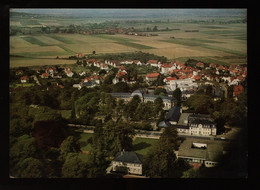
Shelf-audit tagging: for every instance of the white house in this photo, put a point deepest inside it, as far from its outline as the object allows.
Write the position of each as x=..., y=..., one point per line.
x=183, y=84
x=153, y=63
x=128, y=162
x=24, y=79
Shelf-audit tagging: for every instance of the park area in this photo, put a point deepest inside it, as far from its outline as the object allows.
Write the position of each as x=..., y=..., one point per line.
x=140, y=145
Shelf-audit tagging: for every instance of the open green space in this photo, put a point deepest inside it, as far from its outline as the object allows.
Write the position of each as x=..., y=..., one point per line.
x=34, y=40
x=125, y=41
x=64, y=39
x=84, y=145
x=143, y=145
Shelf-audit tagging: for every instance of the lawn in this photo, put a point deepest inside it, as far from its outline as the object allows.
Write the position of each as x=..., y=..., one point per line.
x=84, y=145
x=143, y=145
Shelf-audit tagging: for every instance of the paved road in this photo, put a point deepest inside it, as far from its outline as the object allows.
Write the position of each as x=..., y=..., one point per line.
x=147, y=134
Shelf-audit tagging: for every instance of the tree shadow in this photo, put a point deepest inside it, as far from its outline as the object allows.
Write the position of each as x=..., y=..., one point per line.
x=141, y=145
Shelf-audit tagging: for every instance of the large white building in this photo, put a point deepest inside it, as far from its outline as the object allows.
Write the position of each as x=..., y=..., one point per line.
x=183, y=84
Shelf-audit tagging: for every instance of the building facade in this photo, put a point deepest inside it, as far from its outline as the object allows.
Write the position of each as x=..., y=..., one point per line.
x=128, y=162
x=167, y=101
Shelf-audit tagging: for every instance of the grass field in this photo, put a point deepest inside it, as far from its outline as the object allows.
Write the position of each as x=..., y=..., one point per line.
x=83, y=141
x=143, y=145
x=213, y=42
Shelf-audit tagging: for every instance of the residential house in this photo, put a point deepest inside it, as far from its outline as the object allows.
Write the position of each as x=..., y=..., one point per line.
x=233, y=81
x=120, y=77
x=153, y=63
x=126, y=62
x=68, y=72
x=19, y=72
x=45, y=75
x=212, y=65
x=128, y=162
x=165, y=68
x=137, y=62
x=104, y=66
x=168, y=79
x=199, y=64
x=82, y=73
x=24, y=79
x=152, y=76
x=51, y=71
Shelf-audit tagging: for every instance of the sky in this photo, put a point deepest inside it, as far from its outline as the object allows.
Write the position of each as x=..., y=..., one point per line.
x=135, y=12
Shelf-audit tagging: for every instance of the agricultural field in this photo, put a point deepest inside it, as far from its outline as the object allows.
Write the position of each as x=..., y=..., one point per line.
x=223, y=44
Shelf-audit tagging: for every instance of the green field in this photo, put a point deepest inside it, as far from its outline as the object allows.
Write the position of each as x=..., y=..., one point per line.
x=143, y=145
x=34, y=40
x=125, y=41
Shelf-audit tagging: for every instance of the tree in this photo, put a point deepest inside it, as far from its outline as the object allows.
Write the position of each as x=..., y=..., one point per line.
x=74, y=167
x=155, y=28
x=69, y=145
x=161, y=159
x=177, y=94
x=30, y=168
x=120, y=87
x=191, y=173
x=93, y=52
x=131, y=106
x=230, y=91
x=201, y=103
x=160, y=91
x=158, y=106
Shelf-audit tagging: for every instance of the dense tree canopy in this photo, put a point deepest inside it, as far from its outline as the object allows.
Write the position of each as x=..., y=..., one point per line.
x=161, y=159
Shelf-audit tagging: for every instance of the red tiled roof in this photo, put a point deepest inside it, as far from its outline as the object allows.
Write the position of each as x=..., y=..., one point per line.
x=197, y=77
x=238, y=89
x=86, y=79
x=182, y=77
x=136, y=61
x=166, y=65
x=95, y=77
x=24, y=78
x=61, y=86
x=152, y=75
x=200, y=64
x=171, y=78
x=45, y=74
x=190, y=75
x=122, y=67
x=152, y=61
x=91, y=60
x=119, y=74
x=212, y=65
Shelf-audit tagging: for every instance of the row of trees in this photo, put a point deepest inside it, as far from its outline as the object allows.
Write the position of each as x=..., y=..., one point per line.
x=138, y=55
